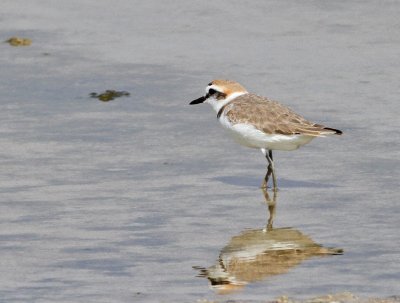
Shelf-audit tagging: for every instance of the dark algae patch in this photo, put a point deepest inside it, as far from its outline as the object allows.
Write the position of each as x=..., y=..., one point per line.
x=17, y=41
x=109, y=95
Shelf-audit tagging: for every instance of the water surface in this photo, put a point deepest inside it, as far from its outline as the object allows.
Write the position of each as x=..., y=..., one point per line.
x=118, y=201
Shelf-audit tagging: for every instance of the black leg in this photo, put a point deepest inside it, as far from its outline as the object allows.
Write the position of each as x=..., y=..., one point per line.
x=270, y=170
x=267, y=175
x=268, y=153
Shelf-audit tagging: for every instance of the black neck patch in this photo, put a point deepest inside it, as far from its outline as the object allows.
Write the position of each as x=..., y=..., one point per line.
x=221, y=110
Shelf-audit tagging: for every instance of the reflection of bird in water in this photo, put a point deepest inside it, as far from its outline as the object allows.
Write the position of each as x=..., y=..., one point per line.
x=257, y=254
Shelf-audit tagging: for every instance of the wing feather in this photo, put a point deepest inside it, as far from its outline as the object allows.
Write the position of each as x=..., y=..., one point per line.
x=272, y=117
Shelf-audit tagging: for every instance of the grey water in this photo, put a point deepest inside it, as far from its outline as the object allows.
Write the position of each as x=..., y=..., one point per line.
x=129, y=200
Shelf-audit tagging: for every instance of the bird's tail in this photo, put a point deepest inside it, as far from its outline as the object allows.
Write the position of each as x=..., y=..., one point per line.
x=333, y=131
x=318, y=130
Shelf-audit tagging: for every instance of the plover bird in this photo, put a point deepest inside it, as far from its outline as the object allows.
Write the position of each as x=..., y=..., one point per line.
x=258, y=122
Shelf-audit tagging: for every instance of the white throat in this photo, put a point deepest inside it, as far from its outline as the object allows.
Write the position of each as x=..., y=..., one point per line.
x=218, y=104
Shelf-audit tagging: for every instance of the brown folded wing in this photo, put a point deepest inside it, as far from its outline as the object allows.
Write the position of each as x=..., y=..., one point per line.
x=271, y=117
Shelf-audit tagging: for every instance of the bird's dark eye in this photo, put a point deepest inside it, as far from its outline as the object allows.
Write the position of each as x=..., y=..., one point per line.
x=211, y=91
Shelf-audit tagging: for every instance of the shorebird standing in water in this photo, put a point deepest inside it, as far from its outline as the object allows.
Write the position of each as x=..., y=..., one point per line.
x=258, y=122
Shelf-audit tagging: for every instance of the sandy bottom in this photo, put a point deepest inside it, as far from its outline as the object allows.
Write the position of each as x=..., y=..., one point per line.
x=345, y=297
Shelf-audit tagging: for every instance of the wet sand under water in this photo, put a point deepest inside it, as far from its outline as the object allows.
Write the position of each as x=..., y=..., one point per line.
x=331, y=298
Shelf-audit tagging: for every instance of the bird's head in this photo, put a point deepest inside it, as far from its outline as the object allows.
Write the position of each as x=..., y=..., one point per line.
x=220, y=92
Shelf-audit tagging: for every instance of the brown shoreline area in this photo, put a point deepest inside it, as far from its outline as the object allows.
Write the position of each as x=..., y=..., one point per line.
x=345, y=297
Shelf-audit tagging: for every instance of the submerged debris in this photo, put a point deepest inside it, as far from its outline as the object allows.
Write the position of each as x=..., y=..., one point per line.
x=109, y=95
x=16, y=41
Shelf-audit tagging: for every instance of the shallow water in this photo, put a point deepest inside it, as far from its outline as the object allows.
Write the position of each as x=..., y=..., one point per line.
x=118, y=201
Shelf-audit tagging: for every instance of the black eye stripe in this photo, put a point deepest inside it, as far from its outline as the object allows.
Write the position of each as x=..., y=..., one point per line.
x=209, y=84
x=211, y=91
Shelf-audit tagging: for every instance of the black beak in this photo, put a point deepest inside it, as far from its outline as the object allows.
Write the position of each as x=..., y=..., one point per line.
x=200, y=100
